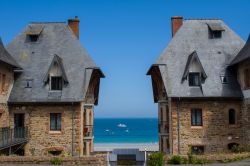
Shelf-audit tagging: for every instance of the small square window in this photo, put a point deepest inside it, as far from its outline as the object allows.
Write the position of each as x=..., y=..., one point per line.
x=28, y=83
x=197, y=150
x=194, y=79
x=216, y=34
x=56, y=83
x=33, y=38
x=196, y=117
x=55, y=121
x=224, y=79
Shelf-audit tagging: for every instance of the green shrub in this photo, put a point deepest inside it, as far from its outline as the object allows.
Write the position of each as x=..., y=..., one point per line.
x=236, y=149
x=56, y=161
x=175, y=159
x=156, y=159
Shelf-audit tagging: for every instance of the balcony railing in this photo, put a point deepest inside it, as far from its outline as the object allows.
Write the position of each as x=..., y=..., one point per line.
x=88, y=131
x=10, y=137
x=163, y=127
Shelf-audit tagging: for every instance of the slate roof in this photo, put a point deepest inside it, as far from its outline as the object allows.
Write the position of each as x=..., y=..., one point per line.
x=244, y=53
x=214, y=54
x=6, y=57
x=36, y=57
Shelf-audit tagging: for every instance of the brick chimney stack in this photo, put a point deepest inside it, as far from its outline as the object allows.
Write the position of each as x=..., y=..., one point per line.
x=74, y=26
x=176, y=24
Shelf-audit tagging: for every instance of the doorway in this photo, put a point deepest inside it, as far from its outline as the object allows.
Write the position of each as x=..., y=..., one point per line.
x=19, y=129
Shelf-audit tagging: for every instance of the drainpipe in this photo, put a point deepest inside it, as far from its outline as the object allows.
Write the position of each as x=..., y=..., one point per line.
x=73, y=129
x=178, y=124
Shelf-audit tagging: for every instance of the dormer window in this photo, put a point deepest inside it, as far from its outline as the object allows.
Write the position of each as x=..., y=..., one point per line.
x=33, y=38
x=215, y=30
x=194, y=79
x=56, y=83
x=216, y=34
x=194, y=71
x=33, y=33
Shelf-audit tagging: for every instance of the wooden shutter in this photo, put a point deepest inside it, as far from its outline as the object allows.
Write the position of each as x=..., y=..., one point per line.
x=3, y=82
x=246, y=78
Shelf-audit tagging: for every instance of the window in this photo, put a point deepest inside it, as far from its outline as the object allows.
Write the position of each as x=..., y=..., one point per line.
x=194, y=79
x=232, y=116
x=216, y=34
x=197, y=150
x=224, y=79
x=28, y=83
x=33, y=38
x=247, y=78
x=196, y=117
x=56, y=83
x=55, y=121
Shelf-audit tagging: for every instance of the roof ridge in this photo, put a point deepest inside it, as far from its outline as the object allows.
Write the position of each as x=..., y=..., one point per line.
x=47, y=22
x=202, y=19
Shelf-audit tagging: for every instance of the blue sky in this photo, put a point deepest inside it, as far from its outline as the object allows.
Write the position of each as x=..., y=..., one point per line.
x=124, y=38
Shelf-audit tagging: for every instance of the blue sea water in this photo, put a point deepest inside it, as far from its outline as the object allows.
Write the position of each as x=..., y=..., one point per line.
x=126, y=130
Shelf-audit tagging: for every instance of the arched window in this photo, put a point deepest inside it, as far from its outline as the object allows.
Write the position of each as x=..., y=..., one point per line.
x=232, y=116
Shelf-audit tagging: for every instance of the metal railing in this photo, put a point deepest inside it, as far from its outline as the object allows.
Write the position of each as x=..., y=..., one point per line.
x=12, y=136
x=163, y=127
x=88, y=131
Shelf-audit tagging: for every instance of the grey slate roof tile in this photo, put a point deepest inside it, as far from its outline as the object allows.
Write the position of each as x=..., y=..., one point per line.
x=35, y=58
x=244, y=53
x=214, y=54
x=6, y=57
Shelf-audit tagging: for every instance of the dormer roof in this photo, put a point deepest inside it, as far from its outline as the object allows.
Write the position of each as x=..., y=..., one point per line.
x=59, y=62
x=193, y=56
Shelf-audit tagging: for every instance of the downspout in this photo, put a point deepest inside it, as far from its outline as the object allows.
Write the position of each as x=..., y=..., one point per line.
x=178, y=124
x=73, y=129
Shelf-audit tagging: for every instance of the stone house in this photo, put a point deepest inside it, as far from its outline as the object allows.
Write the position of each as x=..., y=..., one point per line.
x=201, y=83
x=50, y=89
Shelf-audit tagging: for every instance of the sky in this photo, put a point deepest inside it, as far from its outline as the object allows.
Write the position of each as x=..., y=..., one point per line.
x=124, y=37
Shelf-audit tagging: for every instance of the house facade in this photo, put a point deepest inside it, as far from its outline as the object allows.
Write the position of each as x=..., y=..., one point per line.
x=50, y=89
x=201, y=85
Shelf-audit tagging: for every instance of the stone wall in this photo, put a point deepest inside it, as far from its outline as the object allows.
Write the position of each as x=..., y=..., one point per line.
x=41, y=139
x=95, y=160
x=215, y=134
x=4, y=93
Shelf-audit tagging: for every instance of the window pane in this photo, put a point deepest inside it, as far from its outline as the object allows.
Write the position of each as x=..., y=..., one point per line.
x=194, y=79
x=198, y=118
x=193, y=118
x=52, y=122
x=232, y=116
x=58, y=127
x=56, y=83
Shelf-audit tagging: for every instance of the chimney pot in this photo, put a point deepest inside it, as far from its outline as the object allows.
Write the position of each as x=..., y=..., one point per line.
x=176, y=24
x=74, y=26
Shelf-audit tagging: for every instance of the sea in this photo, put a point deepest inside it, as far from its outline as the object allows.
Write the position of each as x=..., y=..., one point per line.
x=126, y=130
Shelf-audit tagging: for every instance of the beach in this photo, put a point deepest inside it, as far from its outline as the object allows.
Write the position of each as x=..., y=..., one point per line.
x=103, y=147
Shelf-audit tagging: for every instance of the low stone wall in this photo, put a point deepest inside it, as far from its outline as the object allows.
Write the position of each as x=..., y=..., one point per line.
x=95, y=160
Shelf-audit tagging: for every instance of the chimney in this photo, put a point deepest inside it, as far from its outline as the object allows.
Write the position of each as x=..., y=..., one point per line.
x=176, y=24
x=74, y=26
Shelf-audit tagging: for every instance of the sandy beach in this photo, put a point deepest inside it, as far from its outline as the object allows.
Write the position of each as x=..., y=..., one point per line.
x=101, y=147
